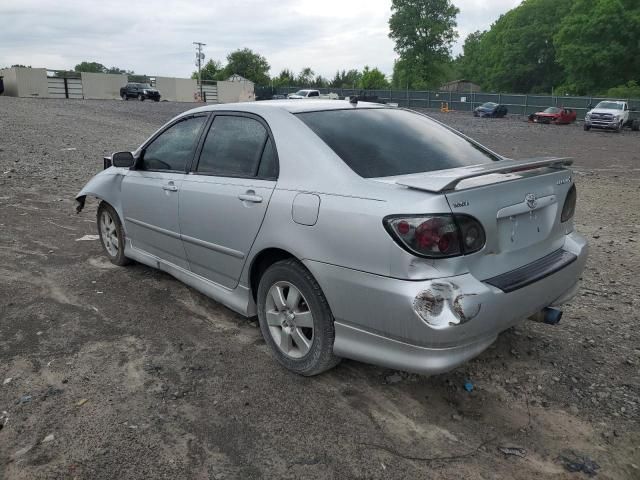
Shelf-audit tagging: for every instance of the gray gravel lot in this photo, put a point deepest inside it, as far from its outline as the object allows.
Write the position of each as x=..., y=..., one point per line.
x=110, y=372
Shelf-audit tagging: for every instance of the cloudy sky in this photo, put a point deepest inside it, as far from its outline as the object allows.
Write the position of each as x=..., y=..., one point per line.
x=155, y=37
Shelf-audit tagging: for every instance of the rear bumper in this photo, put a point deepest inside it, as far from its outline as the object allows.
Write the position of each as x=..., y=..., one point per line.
x=429, y=327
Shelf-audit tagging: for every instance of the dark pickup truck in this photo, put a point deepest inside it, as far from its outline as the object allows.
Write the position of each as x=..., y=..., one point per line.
x=141, y=91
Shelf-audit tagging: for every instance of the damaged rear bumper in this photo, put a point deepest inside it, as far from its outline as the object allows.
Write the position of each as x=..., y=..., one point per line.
x=429, y=327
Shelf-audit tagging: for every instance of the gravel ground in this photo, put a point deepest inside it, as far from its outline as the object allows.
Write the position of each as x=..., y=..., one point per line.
x=110, y=372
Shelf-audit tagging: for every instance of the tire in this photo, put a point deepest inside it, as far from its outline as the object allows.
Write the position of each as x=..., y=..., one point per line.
x=111, y=234
x=124, y=96
x=141, y=97
x=156, y=99
x=620, y=126
x=587, y=127
x=306, y=350
x=635, y=125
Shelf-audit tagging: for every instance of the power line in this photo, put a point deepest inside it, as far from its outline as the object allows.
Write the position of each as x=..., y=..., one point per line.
x=199, y=58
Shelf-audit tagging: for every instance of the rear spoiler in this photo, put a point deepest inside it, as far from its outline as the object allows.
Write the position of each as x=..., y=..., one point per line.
x=446, y=180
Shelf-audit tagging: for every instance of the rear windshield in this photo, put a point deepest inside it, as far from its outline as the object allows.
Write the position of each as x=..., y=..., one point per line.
x=384, y=142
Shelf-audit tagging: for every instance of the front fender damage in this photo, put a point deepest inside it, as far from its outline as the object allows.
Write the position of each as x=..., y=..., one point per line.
x=104, y=186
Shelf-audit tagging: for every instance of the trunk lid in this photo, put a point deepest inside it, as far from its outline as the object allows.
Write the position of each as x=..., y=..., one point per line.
x=518, y=203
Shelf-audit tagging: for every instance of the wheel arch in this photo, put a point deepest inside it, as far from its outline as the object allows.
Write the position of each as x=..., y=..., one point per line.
x=261, y=262
x=105, y=186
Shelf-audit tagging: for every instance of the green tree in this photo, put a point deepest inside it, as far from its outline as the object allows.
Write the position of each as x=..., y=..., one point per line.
x=286, y=79
x=250, y=65
x=346, y=79
x=305, y=77
x=90, y=67
x=598, y=45
x=470, y=63
x=373, y=79
x=212, y=70
x=118, y=71
x=416, y=76
x=630, y=90
x=424, y=31
x=320, y=82
x=518, y=53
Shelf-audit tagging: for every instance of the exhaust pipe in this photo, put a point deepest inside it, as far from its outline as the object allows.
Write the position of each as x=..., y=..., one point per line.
x=548, y=315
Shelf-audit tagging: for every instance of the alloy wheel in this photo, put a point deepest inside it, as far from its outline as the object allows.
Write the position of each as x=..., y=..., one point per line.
x=109, y=233
x=289, y=319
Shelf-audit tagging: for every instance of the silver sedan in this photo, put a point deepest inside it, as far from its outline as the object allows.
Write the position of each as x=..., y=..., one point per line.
x=350, y=229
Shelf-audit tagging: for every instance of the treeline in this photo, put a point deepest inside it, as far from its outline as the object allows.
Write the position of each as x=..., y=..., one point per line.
x=574, y=47
x=255, y=67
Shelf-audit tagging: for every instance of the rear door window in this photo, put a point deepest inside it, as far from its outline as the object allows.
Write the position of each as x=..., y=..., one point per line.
x=384, y=142
x=233, y=147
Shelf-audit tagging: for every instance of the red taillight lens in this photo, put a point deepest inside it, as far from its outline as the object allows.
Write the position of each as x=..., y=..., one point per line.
x=436, y=236
x=569, y=208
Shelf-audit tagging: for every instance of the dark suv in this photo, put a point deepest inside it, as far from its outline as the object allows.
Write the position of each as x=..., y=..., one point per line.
x=141, y=91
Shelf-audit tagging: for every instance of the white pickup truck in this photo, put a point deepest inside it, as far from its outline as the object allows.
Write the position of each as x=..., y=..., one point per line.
x=611, y=115
x=307, y=93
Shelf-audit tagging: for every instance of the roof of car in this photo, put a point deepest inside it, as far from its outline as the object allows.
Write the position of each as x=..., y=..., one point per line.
x=293, y=106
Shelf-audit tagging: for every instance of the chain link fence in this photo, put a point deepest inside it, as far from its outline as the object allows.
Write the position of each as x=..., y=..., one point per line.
x=460, y=101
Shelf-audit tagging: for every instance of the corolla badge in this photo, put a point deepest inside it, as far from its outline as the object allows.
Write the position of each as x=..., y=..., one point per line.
x=531, y=200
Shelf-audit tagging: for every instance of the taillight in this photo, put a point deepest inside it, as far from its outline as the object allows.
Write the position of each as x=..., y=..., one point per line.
x=471, y=233
x=569, y=205
x=436, y=236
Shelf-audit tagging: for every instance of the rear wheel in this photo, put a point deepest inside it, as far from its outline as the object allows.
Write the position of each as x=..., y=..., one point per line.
x=111, y=234
x=635, y=125
x=295, y=319
x=124, y=96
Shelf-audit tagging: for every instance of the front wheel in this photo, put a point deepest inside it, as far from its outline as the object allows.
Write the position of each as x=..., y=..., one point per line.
x=587, y=127
x=295, y=319
x=141, y=97
x=111, y=234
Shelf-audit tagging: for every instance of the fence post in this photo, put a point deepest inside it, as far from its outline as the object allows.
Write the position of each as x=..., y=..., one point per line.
x=526, y=103
x=66, y=88
x=428, y=98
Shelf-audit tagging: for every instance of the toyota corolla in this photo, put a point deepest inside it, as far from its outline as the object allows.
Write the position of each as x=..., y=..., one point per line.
x=350, y=229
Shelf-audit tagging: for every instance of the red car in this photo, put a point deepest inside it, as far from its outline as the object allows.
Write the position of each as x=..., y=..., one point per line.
x=557, y=115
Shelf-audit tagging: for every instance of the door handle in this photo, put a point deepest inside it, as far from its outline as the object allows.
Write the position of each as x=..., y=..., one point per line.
x=170, y=187
x=250, y=196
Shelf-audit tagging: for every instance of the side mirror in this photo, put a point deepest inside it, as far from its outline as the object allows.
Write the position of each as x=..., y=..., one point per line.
x=122, y=159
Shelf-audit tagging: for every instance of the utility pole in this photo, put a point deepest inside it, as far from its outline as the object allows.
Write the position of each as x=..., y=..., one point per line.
x=199, y=58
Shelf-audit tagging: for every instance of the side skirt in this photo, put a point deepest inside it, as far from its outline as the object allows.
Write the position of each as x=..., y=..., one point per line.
x=239, y=299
